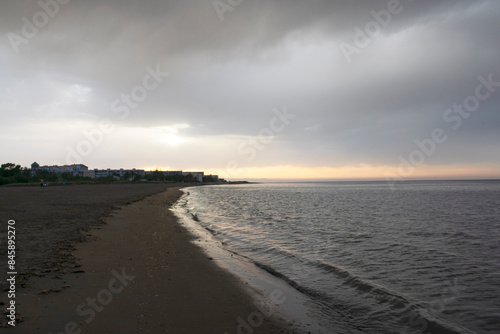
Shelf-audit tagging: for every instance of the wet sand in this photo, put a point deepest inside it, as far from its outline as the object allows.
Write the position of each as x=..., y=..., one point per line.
x=136, y=272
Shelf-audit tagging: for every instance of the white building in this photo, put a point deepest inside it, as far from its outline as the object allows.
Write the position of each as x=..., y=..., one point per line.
x=75, y=169
x=117, y=172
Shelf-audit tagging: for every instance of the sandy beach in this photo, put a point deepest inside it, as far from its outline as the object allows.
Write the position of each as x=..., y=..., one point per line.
x=114, y=259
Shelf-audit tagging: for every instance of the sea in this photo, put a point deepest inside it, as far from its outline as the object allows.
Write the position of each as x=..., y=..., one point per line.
x=366, y=257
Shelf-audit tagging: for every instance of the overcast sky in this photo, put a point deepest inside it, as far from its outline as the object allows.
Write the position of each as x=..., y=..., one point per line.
x=248, y=88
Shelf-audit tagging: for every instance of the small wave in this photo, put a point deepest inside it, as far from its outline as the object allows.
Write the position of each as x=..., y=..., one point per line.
x=405, y=312
x=294, y=284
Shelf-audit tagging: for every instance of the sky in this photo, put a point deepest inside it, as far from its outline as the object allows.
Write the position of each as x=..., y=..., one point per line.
x=275, y=89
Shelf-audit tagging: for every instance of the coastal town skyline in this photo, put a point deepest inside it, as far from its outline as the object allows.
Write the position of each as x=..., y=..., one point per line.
x=382, y=89
x=83, y=170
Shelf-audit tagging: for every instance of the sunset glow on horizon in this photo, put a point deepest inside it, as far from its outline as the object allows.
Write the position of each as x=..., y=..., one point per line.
x=359, y=173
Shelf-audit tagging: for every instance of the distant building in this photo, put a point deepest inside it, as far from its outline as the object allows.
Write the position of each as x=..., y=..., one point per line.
x=75, y=169
x=89, y=173
x=102, y=172
x=173, y=173
x=198, y=176
x=117, y=172
x=215, y=178
x=35, y=167
x=82, y=170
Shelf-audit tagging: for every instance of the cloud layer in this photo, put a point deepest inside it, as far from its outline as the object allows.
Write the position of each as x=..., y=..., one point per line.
x=409, y=62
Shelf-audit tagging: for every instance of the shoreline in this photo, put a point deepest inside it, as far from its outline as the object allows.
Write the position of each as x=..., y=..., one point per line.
x=258, y=282
x=176, y=287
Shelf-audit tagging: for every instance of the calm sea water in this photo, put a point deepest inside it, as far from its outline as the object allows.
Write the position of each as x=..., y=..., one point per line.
x=424, y=258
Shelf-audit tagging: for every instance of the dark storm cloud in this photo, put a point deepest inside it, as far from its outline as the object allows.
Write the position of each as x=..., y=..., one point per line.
x=226, y=76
